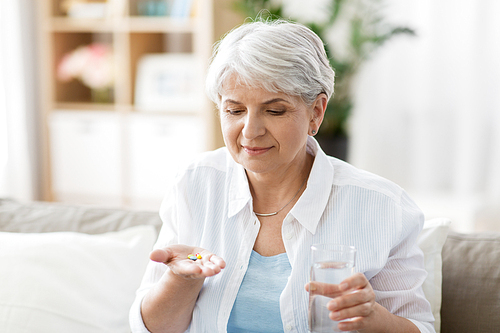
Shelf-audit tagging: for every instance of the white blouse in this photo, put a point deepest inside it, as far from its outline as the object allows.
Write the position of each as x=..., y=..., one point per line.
x=210, y=206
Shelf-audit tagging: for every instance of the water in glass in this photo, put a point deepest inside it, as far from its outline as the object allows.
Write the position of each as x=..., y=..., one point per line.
x=326, y=272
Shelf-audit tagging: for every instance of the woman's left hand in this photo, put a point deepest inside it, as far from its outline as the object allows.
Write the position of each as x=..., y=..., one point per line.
x=352, y=299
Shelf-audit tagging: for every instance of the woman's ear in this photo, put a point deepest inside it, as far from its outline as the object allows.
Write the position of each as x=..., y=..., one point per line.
x=317, y=113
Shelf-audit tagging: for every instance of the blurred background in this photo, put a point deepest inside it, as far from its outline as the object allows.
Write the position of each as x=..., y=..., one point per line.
x=102, y=101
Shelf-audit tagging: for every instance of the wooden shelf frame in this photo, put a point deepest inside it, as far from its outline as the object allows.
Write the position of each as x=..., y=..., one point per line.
x=124, y=24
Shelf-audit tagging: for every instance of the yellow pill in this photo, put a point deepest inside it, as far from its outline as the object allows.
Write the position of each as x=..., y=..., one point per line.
x=198, y=256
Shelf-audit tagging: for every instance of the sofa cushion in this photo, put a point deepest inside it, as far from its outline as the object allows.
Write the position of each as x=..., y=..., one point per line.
x=40, y=216
x=71, y=282
x=471, y=283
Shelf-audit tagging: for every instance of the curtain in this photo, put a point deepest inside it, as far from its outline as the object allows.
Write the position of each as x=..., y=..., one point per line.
x=427, y=109
x=18, y=130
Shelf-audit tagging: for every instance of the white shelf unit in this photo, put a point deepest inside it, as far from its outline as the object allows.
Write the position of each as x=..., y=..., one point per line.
x=113, y=154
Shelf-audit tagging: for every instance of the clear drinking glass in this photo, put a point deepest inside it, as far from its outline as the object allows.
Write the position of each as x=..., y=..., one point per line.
x=331, y=263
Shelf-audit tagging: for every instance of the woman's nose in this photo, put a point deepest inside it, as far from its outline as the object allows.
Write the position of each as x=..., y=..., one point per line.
x=254, y=126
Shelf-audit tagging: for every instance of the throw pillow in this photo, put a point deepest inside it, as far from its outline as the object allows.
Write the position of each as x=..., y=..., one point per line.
x=431, y=241
x=71, y=282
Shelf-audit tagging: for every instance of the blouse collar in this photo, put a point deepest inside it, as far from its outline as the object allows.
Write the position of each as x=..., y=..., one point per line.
x=312, y=202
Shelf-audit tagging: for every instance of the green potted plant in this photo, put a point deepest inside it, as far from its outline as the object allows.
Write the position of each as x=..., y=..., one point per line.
x=352, y=31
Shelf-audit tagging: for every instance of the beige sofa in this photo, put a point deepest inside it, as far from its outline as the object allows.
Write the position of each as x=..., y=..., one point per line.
x=95, y=257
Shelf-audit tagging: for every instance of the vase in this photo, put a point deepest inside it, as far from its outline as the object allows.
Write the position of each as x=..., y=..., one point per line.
x=101, y=95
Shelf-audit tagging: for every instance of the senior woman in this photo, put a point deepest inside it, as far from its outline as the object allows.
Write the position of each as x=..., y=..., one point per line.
x=252, y=210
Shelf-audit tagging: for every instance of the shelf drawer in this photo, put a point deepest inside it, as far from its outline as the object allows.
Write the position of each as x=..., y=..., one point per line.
x=86, y=156
x=158, y=146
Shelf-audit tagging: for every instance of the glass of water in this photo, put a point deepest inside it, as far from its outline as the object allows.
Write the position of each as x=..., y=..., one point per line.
x=331, y=264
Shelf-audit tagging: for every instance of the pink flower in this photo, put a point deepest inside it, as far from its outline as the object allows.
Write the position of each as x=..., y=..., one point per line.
x=92, y=64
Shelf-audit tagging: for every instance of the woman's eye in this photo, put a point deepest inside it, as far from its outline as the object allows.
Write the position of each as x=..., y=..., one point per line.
x=234, y=112
x=276, y=112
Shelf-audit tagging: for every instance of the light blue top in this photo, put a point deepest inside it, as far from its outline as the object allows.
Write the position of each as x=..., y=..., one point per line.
x=257, y=305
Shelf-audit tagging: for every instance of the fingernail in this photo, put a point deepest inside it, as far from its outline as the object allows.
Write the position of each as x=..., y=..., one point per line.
x=344, y=286
x=335, y=315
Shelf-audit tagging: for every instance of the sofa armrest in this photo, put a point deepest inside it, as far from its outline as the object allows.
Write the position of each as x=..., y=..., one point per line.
x=471, y=283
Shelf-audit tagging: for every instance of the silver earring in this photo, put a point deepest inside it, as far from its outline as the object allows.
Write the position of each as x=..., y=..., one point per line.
x=313, y=132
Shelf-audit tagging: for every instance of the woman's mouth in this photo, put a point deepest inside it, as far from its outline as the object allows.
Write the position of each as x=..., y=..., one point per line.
x=254, y=151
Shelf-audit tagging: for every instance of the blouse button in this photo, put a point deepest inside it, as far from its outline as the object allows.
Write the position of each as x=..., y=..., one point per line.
x=289, y=236
x=288, y=327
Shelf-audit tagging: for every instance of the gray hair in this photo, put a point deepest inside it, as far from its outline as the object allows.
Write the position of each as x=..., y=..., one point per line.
x=278, y=56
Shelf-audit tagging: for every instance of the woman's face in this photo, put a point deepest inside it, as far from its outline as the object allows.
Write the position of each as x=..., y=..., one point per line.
x=264, y=131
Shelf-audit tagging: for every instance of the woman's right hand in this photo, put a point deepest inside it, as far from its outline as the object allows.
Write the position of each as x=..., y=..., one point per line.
x=175, y=294
x=176, y=258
